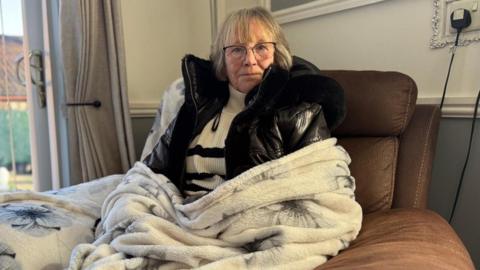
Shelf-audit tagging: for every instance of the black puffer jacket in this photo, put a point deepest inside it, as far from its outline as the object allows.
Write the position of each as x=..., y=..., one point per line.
x=285, y=112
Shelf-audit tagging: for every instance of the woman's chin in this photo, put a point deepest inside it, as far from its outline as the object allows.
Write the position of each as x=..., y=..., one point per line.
x=247, y=85
x=246, y=88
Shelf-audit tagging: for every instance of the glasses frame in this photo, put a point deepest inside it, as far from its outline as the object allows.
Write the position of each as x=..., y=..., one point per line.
x=249, y=48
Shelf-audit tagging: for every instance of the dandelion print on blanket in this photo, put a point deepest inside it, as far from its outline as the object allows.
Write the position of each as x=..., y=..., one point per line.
x=300, y=213
x=34, y=219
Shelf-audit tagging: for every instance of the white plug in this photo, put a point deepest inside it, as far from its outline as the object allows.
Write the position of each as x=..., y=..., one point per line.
x=458, y=14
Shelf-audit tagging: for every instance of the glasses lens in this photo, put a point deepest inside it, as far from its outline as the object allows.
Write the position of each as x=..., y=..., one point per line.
x=236, y=51
x=263, y=50
x=260, y=50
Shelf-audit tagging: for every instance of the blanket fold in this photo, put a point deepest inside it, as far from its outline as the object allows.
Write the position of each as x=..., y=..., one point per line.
x=291, y=213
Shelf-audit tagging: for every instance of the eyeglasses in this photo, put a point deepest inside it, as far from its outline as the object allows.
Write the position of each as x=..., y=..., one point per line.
x=261, y=50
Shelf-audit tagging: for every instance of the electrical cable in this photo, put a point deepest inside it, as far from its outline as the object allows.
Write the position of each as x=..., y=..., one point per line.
x=449, y=69
x=460, y=19
x=472, y=131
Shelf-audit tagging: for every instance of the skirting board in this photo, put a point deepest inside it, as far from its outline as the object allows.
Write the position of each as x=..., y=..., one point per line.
x=143, y=109
x=454, y=107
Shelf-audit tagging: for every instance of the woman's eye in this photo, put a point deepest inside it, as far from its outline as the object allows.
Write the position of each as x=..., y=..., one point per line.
x=237, y=50
x=261, y=47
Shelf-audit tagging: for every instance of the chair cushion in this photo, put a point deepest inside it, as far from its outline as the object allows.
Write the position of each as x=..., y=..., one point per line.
x=378, y=103
x=373, y=165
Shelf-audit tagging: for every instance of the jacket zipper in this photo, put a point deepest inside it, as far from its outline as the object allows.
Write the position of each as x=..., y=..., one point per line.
x=195, y=123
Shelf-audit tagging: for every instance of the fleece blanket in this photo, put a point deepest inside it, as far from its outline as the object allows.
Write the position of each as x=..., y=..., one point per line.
x=38, y=230
x=291, y=213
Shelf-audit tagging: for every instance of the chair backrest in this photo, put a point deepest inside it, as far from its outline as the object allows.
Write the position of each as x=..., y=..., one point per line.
x=390, y=139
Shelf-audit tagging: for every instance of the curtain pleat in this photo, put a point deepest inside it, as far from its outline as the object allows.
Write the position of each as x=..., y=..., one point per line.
x=119, y=78
x=100, y=139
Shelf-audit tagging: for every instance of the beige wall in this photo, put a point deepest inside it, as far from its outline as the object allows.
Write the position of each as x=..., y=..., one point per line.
x=391, y=35
x=157, y=35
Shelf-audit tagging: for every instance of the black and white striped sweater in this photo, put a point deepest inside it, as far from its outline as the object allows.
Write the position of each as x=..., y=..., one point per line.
x=205, y=161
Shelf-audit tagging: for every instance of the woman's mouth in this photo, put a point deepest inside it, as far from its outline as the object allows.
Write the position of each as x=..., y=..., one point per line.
x=251, y=74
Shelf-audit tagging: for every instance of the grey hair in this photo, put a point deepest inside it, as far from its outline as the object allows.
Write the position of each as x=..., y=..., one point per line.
x=237, y=25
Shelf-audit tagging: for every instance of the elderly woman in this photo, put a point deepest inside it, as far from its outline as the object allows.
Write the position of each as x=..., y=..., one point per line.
x=245, y=176
x=251, y=103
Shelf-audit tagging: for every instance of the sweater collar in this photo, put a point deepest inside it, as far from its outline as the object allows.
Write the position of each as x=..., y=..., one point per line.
x=236, y=101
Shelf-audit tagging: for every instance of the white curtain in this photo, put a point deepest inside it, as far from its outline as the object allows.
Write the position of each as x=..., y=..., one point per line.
x=100, y=138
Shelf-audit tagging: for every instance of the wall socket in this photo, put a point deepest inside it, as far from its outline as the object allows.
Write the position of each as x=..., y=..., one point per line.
x=471, y=5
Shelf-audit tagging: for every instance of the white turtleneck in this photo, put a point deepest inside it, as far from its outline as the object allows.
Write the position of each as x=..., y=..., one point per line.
x=205, y=161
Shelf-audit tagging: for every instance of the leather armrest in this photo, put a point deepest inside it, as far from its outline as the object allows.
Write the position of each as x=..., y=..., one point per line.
x=415, y=158
x=403, y=239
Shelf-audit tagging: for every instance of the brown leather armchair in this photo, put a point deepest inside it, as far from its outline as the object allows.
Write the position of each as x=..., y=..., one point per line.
x=391, y=141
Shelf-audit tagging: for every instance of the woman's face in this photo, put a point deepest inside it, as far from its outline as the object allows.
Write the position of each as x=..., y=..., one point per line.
x=246, y=72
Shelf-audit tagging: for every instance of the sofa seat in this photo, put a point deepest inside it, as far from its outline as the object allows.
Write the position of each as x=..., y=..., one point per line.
x=403, y=239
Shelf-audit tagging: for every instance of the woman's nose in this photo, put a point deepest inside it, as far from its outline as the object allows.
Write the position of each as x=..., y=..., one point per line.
x=250, y=58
